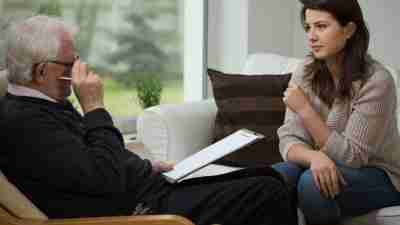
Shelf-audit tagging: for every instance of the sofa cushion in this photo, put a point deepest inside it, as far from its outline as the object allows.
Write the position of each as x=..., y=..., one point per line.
x=252, y=102
x=15, y=202
x=167, y=130
x=384, y=216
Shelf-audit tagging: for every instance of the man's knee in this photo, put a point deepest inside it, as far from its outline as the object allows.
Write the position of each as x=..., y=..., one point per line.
x=265, y=183
x=275, y=201
x=266, y=190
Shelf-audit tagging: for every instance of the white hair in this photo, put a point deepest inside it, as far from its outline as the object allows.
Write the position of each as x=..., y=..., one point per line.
x=31, y=41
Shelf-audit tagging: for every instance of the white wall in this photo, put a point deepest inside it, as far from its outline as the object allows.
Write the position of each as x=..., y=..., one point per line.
x=382, y=18
x=227, y=34
x=213, y=33
x=242, y=27
x=271, y=26
x=237, y=28
x=300, y=48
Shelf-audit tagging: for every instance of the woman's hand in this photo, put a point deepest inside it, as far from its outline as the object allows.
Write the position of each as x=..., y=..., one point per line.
x=296, y=99
x=326, y=176
x=159, y=166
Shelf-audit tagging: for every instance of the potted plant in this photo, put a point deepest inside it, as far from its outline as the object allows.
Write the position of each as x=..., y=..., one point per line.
x=149, y=89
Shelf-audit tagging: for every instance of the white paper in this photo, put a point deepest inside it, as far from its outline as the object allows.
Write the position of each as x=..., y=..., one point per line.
x=211, y=153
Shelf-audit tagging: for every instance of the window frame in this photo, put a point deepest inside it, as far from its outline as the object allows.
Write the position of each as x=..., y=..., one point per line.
x=195, y=27
x=195, y=50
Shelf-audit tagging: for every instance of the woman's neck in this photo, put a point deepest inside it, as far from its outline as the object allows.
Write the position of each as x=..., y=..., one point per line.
x=335, y=67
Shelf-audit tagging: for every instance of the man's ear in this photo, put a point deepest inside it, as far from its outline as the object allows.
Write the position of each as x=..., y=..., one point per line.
x=38, y=74
x=350, y=29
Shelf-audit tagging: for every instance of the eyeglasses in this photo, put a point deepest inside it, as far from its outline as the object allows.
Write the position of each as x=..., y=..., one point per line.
x=67, y=71
x=67, y=74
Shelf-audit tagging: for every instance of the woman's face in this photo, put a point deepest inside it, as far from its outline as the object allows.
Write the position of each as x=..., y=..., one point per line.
x=326, y=37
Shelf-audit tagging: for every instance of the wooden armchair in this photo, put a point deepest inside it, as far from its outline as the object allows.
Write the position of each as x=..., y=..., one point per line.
x=7, y=218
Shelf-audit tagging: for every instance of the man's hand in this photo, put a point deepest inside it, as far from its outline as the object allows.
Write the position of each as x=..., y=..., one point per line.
x=159, y=166
x=87, y=86
x=326, y=175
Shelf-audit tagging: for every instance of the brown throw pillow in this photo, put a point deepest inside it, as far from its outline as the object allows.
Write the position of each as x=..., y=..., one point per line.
x=253, y=102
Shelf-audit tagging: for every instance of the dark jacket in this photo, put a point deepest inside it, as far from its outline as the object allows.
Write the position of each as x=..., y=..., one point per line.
x=70, y=165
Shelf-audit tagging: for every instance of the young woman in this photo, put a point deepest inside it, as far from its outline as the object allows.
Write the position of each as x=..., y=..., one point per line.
x=340, y=139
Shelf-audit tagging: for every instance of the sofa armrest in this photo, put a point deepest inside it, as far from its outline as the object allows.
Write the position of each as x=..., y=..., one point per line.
x=177, y=130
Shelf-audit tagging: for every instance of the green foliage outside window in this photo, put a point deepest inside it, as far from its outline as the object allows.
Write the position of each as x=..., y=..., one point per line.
x=50, y=8
x=149, y=91
x=147, y=45
x=125, y=42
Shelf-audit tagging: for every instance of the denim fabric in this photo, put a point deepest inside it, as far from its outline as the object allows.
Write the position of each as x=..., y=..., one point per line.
x=367, y=189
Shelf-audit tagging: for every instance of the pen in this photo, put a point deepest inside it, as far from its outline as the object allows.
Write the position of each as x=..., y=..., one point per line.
x=65, y=78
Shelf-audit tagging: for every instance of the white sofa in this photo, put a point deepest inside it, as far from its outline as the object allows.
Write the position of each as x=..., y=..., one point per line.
x=179, y=130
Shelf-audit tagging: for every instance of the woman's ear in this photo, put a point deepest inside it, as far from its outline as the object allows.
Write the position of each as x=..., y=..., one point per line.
x=350, y=29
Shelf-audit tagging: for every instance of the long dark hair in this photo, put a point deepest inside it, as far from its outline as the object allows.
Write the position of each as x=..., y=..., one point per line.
x=355, y=62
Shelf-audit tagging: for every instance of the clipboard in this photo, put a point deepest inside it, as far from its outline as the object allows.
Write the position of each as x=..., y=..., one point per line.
x=211, y=153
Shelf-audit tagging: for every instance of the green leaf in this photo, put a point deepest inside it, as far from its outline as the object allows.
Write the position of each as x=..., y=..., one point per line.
x=149, y=91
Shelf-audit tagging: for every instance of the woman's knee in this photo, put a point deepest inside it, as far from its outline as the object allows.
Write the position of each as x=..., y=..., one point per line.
x=290, y=171
x=307, y=191
x=316, y=208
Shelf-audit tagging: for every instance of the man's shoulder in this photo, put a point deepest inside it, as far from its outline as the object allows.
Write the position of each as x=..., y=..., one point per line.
x=14, y=111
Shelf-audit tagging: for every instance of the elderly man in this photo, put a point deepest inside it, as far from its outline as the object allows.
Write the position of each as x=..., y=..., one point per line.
x=73, y=165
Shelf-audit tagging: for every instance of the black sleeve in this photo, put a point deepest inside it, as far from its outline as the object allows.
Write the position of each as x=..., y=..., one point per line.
x=54, y=155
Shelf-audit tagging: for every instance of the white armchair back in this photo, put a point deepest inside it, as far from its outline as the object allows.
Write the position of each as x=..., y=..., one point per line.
x=268, y=63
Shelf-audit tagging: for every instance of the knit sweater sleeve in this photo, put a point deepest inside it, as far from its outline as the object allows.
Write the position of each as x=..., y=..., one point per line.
x=372, y=111
x=53, y=152
x=293, y=131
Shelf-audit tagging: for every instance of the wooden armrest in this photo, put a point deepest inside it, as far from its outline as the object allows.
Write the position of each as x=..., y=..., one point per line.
x=7, y=218
x=122, y=220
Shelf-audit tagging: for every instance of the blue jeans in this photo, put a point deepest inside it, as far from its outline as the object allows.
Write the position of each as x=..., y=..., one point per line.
x=367, y=188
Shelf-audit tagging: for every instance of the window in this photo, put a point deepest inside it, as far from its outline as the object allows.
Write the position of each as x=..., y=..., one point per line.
x=124, y=41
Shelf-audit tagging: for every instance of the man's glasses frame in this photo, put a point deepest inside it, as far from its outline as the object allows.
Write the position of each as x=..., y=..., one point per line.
x=67, y=71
